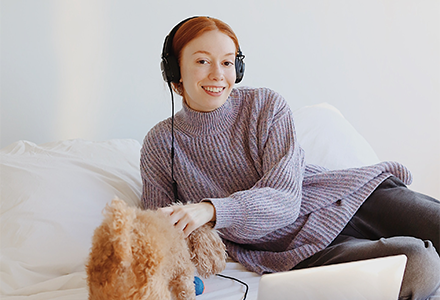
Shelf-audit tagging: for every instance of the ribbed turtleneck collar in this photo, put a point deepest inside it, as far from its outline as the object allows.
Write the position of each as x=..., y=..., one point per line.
x=202, y=123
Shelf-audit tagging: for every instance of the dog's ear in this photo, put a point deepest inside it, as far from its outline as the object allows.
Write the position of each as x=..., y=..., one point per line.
x=208, y=253
x=100, y=266
x=119, y=218
x=110, y=247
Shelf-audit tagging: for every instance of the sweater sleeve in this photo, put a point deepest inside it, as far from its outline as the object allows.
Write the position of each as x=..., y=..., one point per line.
x=154, y=165
x=275, y=200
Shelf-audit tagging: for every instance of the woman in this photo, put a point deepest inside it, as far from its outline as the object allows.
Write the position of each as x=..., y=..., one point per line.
x=238, y=162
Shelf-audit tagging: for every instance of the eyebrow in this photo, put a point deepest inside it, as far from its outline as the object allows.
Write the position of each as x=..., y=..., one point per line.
x=209, y=53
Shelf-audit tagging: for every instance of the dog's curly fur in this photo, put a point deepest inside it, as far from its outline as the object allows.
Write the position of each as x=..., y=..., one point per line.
x=137, y=255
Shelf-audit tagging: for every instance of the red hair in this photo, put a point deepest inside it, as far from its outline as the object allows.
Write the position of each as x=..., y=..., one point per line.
x=194, y=28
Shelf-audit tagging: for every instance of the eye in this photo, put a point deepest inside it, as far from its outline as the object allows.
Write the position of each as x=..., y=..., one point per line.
x=228, y=63
x=202, y=61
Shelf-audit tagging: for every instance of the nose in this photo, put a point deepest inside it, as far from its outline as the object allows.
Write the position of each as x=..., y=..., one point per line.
x=216, y=73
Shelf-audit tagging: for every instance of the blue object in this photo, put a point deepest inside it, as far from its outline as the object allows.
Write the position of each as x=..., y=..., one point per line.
x=200, y=287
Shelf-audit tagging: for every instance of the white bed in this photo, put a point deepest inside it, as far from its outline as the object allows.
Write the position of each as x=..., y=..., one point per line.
x=52, y=196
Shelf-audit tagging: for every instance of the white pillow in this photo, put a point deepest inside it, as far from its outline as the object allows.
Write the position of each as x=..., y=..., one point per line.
x=329, y=140
x=52, y=196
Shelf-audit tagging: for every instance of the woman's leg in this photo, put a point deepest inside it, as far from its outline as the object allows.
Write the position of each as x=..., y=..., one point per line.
x=393, y=220
x=394, y=210
x=422, y=273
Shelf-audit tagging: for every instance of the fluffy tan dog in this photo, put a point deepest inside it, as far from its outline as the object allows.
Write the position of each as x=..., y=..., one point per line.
x=137, y=254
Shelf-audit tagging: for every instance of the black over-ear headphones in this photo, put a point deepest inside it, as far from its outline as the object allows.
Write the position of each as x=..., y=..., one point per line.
x=170, y=63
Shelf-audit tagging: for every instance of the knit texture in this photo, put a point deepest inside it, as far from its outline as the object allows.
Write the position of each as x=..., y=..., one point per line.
x=273, y=210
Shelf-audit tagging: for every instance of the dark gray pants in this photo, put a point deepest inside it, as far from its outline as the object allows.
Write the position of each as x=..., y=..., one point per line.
x=393, y=220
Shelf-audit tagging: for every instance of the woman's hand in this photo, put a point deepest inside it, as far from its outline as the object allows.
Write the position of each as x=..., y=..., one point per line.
x=191, y=216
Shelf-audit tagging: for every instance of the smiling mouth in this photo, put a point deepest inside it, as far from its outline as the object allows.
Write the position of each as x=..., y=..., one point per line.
x=213, y=89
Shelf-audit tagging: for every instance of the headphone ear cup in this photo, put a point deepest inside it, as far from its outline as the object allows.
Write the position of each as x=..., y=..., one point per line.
x=170, y=69
x=239, y=68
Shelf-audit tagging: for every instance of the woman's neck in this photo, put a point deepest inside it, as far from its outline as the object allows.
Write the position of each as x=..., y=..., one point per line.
x=202, y=123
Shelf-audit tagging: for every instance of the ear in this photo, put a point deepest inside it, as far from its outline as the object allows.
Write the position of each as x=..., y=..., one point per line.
x=119, y=218
x=111, y=248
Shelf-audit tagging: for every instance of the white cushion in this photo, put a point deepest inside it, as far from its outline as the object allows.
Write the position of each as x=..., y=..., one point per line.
x=329, y=140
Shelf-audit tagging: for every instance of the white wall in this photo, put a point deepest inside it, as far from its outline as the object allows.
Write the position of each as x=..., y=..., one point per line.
x=90, y=68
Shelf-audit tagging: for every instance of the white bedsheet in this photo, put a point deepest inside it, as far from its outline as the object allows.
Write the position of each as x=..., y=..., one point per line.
x=73, y=287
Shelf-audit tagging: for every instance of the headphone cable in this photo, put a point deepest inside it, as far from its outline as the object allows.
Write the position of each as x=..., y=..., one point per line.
x=239, y=281
x=173, y=181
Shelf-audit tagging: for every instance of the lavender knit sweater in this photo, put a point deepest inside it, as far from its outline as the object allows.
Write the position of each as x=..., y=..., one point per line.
x=272, y=209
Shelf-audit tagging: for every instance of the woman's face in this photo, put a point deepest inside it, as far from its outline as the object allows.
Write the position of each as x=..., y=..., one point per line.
x=208, y=71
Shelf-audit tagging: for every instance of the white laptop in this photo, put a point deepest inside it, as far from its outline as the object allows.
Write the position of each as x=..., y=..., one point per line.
x=372, y=279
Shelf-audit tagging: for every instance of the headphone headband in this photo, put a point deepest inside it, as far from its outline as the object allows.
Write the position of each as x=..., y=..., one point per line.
x=170, y=63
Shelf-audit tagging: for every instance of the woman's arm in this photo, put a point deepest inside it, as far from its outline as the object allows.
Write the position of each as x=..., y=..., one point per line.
x=275, y=200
